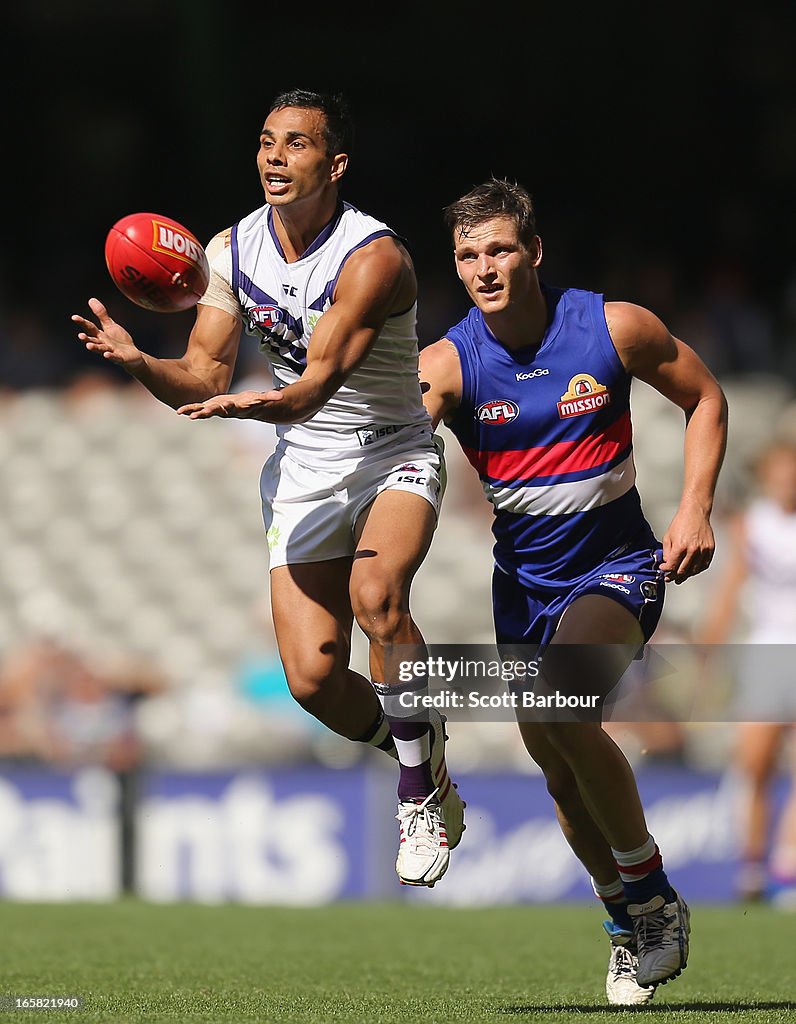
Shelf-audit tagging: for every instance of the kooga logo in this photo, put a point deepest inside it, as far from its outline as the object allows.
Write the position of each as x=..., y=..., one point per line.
x=531, y=374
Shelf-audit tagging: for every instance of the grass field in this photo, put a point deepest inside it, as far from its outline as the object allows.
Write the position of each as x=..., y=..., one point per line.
x=378, y=964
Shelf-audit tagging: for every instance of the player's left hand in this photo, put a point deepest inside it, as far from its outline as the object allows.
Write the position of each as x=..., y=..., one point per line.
x=247, y=405
x=688, y=545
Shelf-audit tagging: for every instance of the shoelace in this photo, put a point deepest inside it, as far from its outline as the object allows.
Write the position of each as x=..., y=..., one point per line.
x=410, y=815
x=623, y=962
x=652, y=927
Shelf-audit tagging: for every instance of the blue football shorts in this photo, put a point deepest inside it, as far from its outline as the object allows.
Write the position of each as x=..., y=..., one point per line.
x=530, y=615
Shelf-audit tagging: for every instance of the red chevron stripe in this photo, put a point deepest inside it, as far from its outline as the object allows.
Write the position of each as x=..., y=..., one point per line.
x=553, y=459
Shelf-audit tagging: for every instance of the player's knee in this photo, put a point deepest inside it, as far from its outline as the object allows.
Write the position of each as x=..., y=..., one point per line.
x=311, y=678
x=379, y=610
x=306, y=691
x=561, y=784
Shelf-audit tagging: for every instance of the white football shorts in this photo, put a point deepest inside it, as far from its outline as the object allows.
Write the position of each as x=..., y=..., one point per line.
x=310, y=513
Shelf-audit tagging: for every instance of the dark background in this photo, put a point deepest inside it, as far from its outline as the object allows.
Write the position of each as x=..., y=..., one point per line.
x=659, y=144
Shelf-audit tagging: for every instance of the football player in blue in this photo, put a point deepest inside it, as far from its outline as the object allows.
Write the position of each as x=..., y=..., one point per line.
x=535, y=384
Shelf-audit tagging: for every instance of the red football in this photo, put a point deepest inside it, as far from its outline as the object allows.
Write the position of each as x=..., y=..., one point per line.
x=156, y=262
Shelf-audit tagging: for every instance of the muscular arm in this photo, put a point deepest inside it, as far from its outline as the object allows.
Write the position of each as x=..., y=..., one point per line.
x=649, y=352
x=441, y=378
x=203, y=371
x=376, y=281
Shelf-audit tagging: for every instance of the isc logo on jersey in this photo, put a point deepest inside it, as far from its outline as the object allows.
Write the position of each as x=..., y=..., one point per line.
x=409, y=473
x=497, y=412
x=584, y=395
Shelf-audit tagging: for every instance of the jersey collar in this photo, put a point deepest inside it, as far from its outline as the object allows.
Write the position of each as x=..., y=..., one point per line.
x=325, y=233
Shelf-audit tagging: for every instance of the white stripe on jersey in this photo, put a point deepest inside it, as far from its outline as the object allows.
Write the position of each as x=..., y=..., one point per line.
x=564, y=498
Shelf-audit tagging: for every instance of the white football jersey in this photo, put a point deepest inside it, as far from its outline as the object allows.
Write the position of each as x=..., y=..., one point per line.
x=770, y=597
x=280, y=303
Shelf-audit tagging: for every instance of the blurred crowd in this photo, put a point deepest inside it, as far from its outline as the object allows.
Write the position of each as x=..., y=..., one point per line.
x=68, y=710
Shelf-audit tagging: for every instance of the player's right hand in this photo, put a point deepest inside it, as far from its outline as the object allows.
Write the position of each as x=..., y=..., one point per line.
x=107, y=338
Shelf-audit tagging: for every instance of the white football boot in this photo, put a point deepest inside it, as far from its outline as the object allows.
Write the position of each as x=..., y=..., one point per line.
x=423, y=852
x=621, y=987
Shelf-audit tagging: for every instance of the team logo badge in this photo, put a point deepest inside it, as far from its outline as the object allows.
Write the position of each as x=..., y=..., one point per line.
x=618, y=577
x=265, y=317
x=497, y=412
x=583, y=395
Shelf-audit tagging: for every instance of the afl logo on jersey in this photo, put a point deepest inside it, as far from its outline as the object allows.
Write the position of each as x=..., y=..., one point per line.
x=265, y=317
x=584, y=395
x=497, y=412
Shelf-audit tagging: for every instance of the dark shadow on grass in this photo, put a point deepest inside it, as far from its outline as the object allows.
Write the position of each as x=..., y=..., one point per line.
x=700, y=1006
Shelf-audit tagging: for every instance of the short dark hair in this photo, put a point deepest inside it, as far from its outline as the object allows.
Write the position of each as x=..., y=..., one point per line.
x=494, y=198
x=339, y=131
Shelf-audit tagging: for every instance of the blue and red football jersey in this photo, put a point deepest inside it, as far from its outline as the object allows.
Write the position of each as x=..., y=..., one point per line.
x=548, y=429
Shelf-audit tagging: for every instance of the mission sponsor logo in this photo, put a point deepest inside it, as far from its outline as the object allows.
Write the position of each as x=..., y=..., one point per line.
x=584, y=395
x=497, y=412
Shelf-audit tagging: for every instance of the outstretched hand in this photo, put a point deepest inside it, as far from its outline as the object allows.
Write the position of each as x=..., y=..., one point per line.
x=107, y=338
x=688, y=545
x=247, y=405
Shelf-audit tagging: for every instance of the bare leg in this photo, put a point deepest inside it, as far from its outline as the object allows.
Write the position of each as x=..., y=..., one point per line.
x=783, y=860
x=757, y=750
x=393, y=535
x=604, y=777
x=593, y=645
x=579, y=828
x=312, y=619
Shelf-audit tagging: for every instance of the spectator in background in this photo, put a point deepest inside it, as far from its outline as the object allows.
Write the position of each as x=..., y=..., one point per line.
x=63, y=709
x=759, y=586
